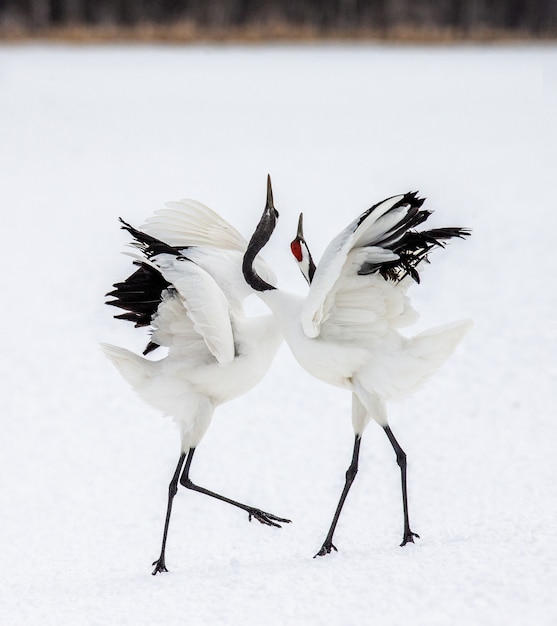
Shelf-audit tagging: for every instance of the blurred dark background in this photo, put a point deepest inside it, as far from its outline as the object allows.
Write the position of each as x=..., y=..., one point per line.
x=191, y=19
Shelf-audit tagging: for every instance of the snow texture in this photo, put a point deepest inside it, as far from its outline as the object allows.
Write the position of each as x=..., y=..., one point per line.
x=88, y=134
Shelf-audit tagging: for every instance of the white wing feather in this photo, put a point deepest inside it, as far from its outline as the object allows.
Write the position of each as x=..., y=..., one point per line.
x=363, y=308
x=341, y=258
x=326, y=275
x=191, y=223
x=205, y=305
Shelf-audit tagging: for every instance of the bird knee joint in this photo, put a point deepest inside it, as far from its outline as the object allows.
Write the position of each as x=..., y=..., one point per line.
x=351, y=473
x=186, y=482
x=401, y=459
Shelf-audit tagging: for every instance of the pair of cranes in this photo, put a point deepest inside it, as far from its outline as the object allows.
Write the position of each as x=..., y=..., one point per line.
x=194, y=271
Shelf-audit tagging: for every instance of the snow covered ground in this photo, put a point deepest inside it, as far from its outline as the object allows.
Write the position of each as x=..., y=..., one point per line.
x=89, y=134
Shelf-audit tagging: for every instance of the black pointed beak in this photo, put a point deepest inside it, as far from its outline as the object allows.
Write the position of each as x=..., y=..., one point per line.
x=269, y=193
x=269, y=205
x=300, y=233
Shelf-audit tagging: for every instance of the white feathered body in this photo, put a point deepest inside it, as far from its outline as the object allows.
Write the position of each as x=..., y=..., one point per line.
x=214, y=352
x=188, y=388
x=382, y=363
x=346, y=331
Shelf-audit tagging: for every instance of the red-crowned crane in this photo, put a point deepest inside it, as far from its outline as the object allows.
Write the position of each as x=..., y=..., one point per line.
x=189, y=289
x=345, y=331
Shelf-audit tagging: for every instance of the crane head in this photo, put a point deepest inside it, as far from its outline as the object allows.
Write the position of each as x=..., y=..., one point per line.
x=300, y=250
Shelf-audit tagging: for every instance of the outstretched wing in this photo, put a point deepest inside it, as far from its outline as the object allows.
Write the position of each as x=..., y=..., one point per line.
x=203, y=302
x=355, y=284
x=181, y=302
x=191, y=223
x=213, y=244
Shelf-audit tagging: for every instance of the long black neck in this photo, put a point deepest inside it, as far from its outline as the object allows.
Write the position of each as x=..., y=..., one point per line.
x=258, y=240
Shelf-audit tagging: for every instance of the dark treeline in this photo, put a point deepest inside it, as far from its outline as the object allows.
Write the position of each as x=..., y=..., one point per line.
x=522, y=17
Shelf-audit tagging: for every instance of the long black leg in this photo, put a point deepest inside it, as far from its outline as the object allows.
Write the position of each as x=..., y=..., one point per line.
x=401, y=460
x=350, y=475
x=265, y=518
x=160, y=565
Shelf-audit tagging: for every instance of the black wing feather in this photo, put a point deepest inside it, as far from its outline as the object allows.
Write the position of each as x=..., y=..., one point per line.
x=410, y=198
x=149, y=245
x=414, y=247
x=411, y=246
x=141, y=293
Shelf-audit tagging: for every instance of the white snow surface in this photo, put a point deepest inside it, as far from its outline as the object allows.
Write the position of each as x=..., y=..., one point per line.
x=88, y=134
